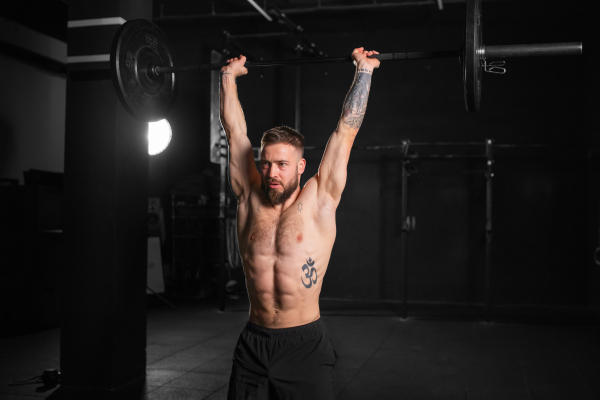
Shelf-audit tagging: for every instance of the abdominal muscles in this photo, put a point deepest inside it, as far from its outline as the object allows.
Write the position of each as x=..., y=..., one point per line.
x=278, y=295
x=281, y=294
x=285, y=260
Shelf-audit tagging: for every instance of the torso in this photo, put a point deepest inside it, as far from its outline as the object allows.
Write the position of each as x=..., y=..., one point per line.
x=285, y=254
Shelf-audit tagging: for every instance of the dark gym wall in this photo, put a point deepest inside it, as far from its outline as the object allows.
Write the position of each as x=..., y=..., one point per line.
x=545, y=201
x=32, y=119
x=32, y=136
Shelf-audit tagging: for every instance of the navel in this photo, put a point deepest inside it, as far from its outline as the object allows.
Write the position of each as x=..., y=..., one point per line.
x=299, y=238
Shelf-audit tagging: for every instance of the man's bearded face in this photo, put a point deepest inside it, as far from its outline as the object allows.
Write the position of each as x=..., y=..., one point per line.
x=279, y=194
x=280, y=167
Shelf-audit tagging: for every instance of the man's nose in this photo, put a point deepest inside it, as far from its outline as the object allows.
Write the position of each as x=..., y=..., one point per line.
x=273, y=172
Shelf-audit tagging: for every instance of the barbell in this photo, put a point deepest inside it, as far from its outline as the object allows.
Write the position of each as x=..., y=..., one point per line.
x=143, y=72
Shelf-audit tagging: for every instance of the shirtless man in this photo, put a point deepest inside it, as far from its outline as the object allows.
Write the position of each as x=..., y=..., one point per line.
x=286, y=236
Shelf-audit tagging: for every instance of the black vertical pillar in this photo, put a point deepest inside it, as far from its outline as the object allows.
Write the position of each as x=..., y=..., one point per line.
x=223, y=233
x=489, y=175
x=298, y=103
x=405, y=229
x=103, y=332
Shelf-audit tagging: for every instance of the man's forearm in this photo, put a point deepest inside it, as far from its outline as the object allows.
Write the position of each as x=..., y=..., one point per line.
x=232, y=116
x=355, y=104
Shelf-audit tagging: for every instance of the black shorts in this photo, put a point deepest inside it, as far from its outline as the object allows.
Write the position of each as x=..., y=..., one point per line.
x=288, y=363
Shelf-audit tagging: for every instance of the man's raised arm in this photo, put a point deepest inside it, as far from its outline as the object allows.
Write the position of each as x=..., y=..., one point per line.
x=242, y=169
x=333, y=169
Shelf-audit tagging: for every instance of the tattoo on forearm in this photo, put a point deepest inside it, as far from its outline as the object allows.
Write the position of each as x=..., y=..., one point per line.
x=229, y=73
x=308, y=275
x=355, y=105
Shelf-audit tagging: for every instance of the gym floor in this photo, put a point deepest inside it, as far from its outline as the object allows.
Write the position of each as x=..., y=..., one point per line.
x=189, y=354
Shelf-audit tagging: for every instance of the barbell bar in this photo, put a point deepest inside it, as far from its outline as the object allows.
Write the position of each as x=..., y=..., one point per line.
x=502, y=51
x=143, y=71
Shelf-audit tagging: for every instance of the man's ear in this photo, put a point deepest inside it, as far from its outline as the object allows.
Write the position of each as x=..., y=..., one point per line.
x=301, y=166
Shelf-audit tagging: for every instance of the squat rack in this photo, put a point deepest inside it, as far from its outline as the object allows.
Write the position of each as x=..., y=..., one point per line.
x=408, y=222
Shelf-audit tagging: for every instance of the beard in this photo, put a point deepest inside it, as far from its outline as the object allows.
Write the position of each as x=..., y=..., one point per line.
x=279, y=198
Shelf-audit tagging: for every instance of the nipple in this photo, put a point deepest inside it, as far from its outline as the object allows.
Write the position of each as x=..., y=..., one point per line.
x=299, y=238
x=275, y=311
x=252, y=237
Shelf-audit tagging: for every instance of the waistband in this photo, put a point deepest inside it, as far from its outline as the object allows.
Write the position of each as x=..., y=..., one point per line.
x=313, y=328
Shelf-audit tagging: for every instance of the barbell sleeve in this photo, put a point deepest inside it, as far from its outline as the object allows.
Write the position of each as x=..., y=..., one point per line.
x=533, y=50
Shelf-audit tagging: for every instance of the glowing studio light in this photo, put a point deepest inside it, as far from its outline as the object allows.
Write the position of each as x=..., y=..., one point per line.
x=159, y=136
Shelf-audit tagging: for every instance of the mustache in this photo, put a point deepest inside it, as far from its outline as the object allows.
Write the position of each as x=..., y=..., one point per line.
x=274, y=181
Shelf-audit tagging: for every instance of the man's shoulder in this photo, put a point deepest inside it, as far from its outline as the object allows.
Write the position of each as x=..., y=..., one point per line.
x=323, y=201
x=310, y=190
x=311, y=184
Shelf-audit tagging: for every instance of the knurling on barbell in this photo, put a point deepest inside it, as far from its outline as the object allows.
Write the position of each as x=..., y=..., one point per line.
x=144, y=75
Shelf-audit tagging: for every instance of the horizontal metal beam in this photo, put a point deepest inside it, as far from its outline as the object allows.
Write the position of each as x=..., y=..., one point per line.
x=310, y=10
x=259, y=35
x=457, y=144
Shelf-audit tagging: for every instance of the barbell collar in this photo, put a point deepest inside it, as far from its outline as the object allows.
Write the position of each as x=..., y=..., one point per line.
x=533, y=50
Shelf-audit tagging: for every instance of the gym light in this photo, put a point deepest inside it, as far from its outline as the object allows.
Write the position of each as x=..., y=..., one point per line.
x=159, y=136
x=260, y=10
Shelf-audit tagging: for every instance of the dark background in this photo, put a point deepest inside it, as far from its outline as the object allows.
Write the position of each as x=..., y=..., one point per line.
x=545, y=200
x=545, y=204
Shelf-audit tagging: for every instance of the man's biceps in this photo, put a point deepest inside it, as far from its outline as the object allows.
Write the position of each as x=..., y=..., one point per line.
x=331, y=191
x=332, y=182
x=242, y=162
x=337, y=159
x=338, y=181
x=241, y=150
x=239, y=173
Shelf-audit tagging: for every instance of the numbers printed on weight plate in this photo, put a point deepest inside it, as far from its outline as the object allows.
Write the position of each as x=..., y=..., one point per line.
x=152, y=41
x=130, y=61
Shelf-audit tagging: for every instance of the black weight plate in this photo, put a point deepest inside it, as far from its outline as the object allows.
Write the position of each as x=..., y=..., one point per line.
x=472, y=56
x=138, y=44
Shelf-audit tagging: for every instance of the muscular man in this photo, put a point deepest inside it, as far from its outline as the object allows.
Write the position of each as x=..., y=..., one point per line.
x=286, y=236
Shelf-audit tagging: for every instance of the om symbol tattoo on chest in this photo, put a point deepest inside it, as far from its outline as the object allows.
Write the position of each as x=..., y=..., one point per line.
x=309, y=273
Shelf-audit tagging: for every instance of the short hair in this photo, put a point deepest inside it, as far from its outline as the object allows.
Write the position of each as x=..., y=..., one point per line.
x=283, y=134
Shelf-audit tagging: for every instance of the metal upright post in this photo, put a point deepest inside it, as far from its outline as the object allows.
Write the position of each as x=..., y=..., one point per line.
x=222, y=234
x=489, y=151
x=405, y=229
x=298, y=109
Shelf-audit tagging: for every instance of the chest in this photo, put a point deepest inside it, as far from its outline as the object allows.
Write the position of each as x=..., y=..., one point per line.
x=273, y=231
